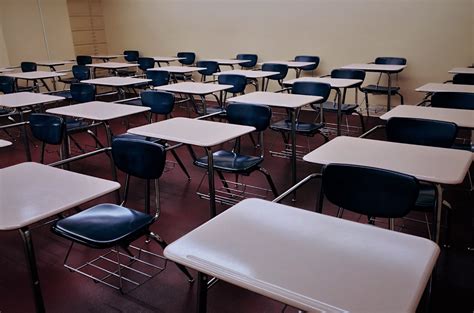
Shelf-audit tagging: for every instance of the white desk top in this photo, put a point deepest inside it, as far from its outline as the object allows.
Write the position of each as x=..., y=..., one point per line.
x=283, y=100
x=4, y=143
x=334, y=82
x=115, y=81
x=370, y=67
x=436, y=165
x=440, y=87
x=462, y=118
x=194, y=88
x=53, y=63
x=35, y=75
x=462, y=70
x=290, y=64
x=112, y=65
x=190, y=131
x=107, y=56
x=167, y=59
x=248, y=73
x=334, y=264
x=22, y=99
x=98, y=110
x=4, y=70
x=227, y=61
x=30, y=192
x=178, y=69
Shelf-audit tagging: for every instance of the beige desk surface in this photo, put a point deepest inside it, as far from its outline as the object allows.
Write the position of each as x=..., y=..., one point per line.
x=4, y=143
x=290, y=64
x=167, y=59
x=190, y=131
x=35, y=75
x=311, y=261
x=440, y=87
x=194, y=88
x=178, y=69
x=462, y=118
x=107, y=56
x=370, y=67
x=98, y=110
x=30, y=192
x=248, y=73
x=112, y=65
x=22, y=99
x=462, y=70
x=227, y=61
x=53, y=63
x=273, y=99
x=115, y=81
x=334, y=82
x=437, y=165
x=4, y=70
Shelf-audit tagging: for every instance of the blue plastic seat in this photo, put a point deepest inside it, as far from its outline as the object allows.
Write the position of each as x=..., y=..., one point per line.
x=189, y=58
x=81, y=92
x=282, y=70
x=239, y=82
x=453, y=100
x=131, y=56
x=49, y=129
x=212, y=67
x=252, y=60
x=83, y=59
x=158, y=78
x=28, y=67
x=146, y=63
x=308, y=58
x=463, y=79
x=79, y=73
x=7, y=84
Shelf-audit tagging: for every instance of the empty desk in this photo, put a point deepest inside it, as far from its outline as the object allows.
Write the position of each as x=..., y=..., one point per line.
x=166, y=60
x=251, y=75
x=462, y=70
x=111, y=66
x=296, y=65
x=440, y=87
x=35, y=77
x=106, y=57
x=53, y=64
x=119, y=83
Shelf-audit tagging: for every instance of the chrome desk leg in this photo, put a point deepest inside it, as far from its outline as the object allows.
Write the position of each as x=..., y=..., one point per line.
x=108, y=133
x=339, y=104
x=212, y=188
x=439, y=207
x=389, y=91
x=293, y=151
x=202, y=293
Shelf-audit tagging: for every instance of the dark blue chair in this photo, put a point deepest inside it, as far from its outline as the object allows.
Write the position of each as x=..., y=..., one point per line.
x=212, y=67
x=49, y=129
x=453, y=100
x=189, y=58
x=463, y=79
x=239, y=82
x=107, y=226
x=81, y=92
x=7, y=84
x=146, y=63
x=252, y=60
x=158, y=78
x=282, y=70
x=28, y=67
x=225, y=161
x=83, y=59
x=308, y=58
x=131, y=56
x=79, y=73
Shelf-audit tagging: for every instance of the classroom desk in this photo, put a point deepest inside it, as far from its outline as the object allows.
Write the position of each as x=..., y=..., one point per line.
x=20, y=100
x=200, y=89
x=440, y=87
x=387, y=69
x=53, y=64
x=35, y=77
x=106, y=57
x=111, y=66
x=45, y=192
x=336, y=83
x=166, y=60
x=182, y=70
x=251, y=75
x=117, y=82
x=462, y=70
x=5, y=70
x=4, y=143
x=431, y=164
x=314, y=262
x=296, y=65
x=227, y=62
x=200, y=133
x=291, y=102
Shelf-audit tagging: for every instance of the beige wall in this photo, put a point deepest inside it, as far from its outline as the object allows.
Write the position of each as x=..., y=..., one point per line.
x=4, y=61
x=434, y=35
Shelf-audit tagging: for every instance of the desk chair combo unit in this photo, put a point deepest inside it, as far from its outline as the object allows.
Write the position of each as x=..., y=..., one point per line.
x=130, y=56
x=308, y=68
x=282, y=70
x=186, y=58
x=211, y=67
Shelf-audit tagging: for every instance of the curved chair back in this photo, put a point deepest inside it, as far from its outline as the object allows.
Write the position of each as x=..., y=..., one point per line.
x=312, y=89
x=158, y=78
x=7, y=84
x=28, y=66
x=81, y=92
x=47, y=128
x=421, y=132
x=189, y=57
x=146, y=63
x=348, y=74
x=282, y=69
x=252, y=59
x=81, y=72
x=308, y=58
x=211, y=67
x=160, y=102
x=463, y=79
x=238, y=81
x=390, y=60
x=370, y=191
x=139, y=157
x=453, y=100
x=254, y=115
x=131, y=55
x=83, y=59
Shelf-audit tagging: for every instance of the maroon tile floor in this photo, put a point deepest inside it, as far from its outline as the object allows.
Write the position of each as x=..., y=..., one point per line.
x=182, y=211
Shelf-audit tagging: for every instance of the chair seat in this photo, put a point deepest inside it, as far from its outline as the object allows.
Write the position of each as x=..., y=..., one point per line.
x=380, y=89
x=134, y=102
x=345, y=108
x=307, y=129
x=426, y=198
x=228, y=161
x=138, y=137
x=74, y=124
x=104, y=226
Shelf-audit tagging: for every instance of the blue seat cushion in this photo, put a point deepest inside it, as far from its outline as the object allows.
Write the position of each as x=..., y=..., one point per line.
x=380, y=89
x=228, y=161
x=426, y=198
x=308, y=129
x=104, y=225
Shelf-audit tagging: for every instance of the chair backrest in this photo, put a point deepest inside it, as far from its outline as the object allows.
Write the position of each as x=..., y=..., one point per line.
x=28, y=66
x=81, y=92
x=390, y=60
x=211, y=67
x=158, y=78
x=348, y=74
x=421, y=132
x=139, y=157
x=282, y=69
x=160, y=102
x=312, y=89
x=83, y=59
x=238, y=81
x=453, y=100
x=131, y=55
x=463, y=79
x=81, y=72
x=252, y=59
x=146, y=63
x=7, y=84
x=308, y=58
x=47, y=128
x=189, y=57
x=369, y=191
x=254, y=115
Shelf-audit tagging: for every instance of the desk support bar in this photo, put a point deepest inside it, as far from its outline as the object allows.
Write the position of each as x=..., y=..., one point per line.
x=80, y=157
x=370, y=131
x=296, y=186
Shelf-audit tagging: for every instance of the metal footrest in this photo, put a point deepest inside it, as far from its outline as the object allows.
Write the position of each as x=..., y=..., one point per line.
x=330, y=129
x=301, y=151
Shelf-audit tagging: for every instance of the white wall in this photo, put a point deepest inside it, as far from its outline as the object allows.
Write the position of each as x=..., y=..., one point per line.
x=4, y=60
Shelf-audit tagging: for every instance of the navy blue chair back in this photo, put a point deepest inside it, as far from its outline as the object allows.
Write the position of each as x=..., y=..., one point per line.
x=308, y=58
x=348, y=74
x=211, y=67
x=81, y=92
x=275, y=67
x=453, y=100
x=391, y=60
x=238, y=81
x=160, y=102
x=81, y=72
x=158, y=78
x=369, y=191
x=83, y=59
x=189, y=57
x=131, y=55
x=252, y=59
x=254, y=115
x=139, y=158
x=7, y=84
x=47, y=128
x=28, y=66
x=146, y=63
x=421, y=132
x=312, y=89
x=463, y=79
